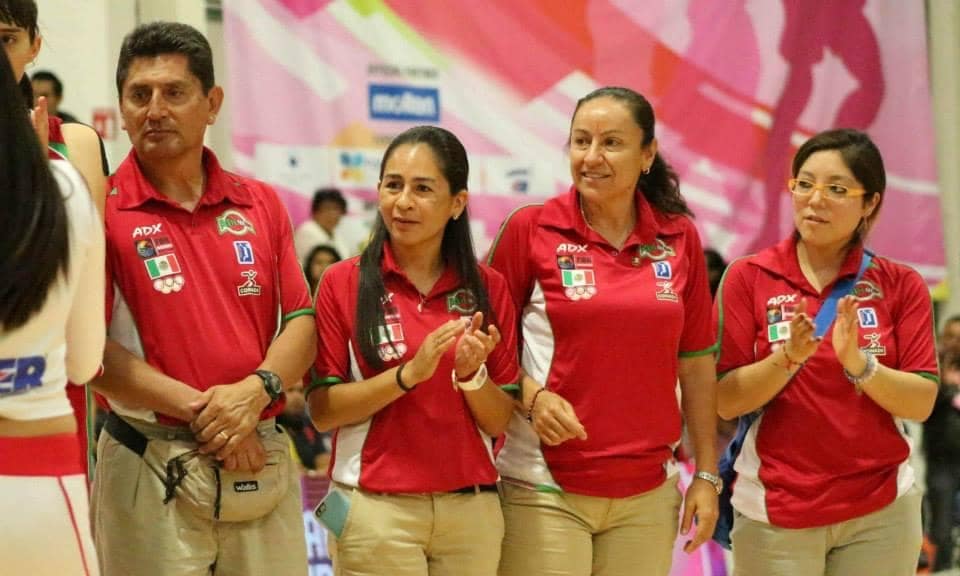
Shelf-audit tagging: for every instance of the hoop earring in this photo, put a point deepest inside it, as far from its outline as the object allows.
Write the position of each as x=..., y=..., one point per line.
x=645, y=171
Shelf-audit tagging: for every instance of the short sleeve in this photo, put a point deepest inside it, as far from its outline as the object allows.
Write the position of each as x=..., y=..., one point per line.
x=502, y=364
x=733, y=318
x=332, y=364
x=913, y=326
x=510, y=253
x=294, y=292
x=696, y=339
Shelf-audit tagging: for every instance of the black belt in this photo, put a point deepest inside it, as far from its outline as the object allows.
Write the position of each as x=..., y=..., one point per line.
x=133, y=439
x=475, y=489
x=126, y=434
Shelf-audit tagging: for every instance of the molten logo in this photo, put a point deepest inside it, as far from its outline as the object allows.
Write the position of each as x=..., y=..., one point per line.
x=407, y=103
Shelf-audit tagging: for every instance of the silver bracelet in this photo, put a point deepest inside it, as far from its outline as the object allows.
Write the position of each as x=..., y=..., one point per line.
x=868, y=372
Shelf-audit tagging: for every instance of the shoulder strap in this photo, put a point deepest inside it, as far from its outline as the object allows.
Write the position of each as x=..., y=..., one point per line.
x=828, y=311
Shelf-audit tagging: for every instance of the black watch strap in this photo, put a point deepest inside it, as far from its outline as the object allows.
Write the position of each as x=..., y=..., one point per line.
x=271, y=384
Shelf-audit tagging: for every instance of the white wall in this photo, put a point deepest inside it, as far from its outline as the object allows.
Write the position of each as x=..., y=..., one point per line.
x=82, y=41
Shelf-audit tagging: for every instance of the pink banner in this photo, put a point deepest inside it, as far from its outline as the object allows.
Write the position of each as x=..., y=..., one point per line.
x=318, y=89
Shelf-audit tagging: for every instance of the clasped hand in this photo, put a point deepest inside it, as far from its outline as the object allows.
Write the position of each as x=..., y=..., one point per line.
x=225, y=423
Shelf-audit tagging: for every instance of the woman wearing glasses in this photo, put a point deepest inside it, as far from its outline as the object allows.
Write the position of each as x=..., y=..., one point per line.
x=824, y=485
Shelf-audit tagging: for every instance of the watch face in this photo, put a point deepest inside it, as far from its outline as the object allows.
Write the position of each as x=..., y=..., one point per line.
x=271, y=382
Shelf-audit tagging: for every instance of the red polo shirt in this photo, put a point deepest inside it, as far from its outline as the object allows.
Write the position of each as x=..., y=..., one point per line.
x=605, y=329
x=426, y=440
x=820, y=453
x=199, y=295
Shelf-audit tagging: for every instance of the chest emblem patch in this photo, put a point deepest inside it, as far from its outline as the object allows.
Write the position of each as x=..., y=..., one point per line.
x=778, y=332
x=462, y=301
x=657, y=251
x=578, y=284
x=873, y=344
x=867, y=317
x=662, y=270
x=244, y=252
x=234, y=222
x=866, y=290
x=249, y=287
x=165, y=273
x=665, y=291
x=390, y=337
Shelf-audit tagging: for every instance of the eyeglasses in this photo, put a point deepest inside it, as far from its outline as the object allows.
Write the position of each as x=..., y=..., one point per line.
x=805, y=188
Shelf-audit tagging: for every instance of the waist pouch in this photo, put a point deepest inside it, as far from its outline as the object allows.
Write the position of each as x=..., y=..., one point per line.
x=198, y=482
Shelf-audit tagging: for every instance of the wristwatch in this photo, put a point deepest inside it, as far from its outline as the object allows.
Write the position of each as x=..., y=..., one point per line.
x=271, y=384
x=711, y=478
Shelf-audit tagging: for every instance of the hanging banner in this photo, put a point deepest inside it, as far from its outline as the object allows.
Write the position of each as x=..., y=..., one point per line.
x=318, y=89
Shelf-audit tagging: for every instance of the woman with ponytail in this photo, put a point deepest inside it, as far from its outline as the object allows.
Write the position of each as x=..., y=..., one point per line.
x=51, y=329
x=610, y=286
x=410, y=379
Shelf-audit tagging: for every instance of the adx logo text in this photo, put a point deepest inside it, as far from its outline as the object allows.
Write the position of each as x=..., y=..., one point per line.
x=149, y=230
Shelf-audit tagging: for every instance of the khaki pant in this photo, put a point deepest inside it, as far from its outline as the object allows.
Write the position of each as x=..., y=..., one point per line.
x=137, y=534
x=419, y=535
x=550, y=534
x=884, y=543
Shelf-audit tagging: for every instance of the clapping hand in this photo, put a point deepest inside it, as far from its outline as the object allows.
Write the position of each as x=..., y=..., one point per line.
x=474, y=346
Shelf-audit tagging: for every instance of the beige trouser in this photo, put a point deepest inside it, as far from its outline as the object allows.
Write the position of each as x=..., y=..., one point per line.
x=884, y=543
x=138, y=535
x=418, y=535
x=549, y=534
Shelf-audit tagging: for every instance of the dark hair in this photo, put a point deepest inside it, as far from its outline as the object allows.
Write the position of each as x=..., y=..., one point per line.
x=328, y=195
x=456, y=248
x=34, y=246
x=156, y=38
x=661, y=186
x=309, y=259
x=862, y=158
x=21, y=13
x=715, y=267
x=48, y=76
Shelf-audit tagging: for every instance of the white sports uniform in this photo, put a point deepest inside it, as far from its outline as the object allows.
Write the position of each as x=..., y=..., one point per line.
x=43, y=492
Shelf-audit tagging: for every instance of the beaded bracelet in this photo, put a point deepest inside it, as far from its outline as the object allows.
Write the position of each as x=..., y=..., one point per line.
x=869, y=371
x=791, y=363
x=533, y=403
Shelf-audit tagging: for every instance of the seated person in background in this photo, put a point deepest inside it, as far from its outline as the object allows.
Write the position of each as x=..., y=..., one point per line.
x=319, y=258
x=327, y=209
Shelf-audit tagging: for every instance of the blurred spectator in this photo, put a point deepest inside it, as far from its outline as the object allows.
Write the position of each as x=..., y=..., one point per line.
x=46, y=83
x=715, y=268
x=950, y=338
x=941, y=434
x=309, y=447
x=316, y=262
x=327, y=209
